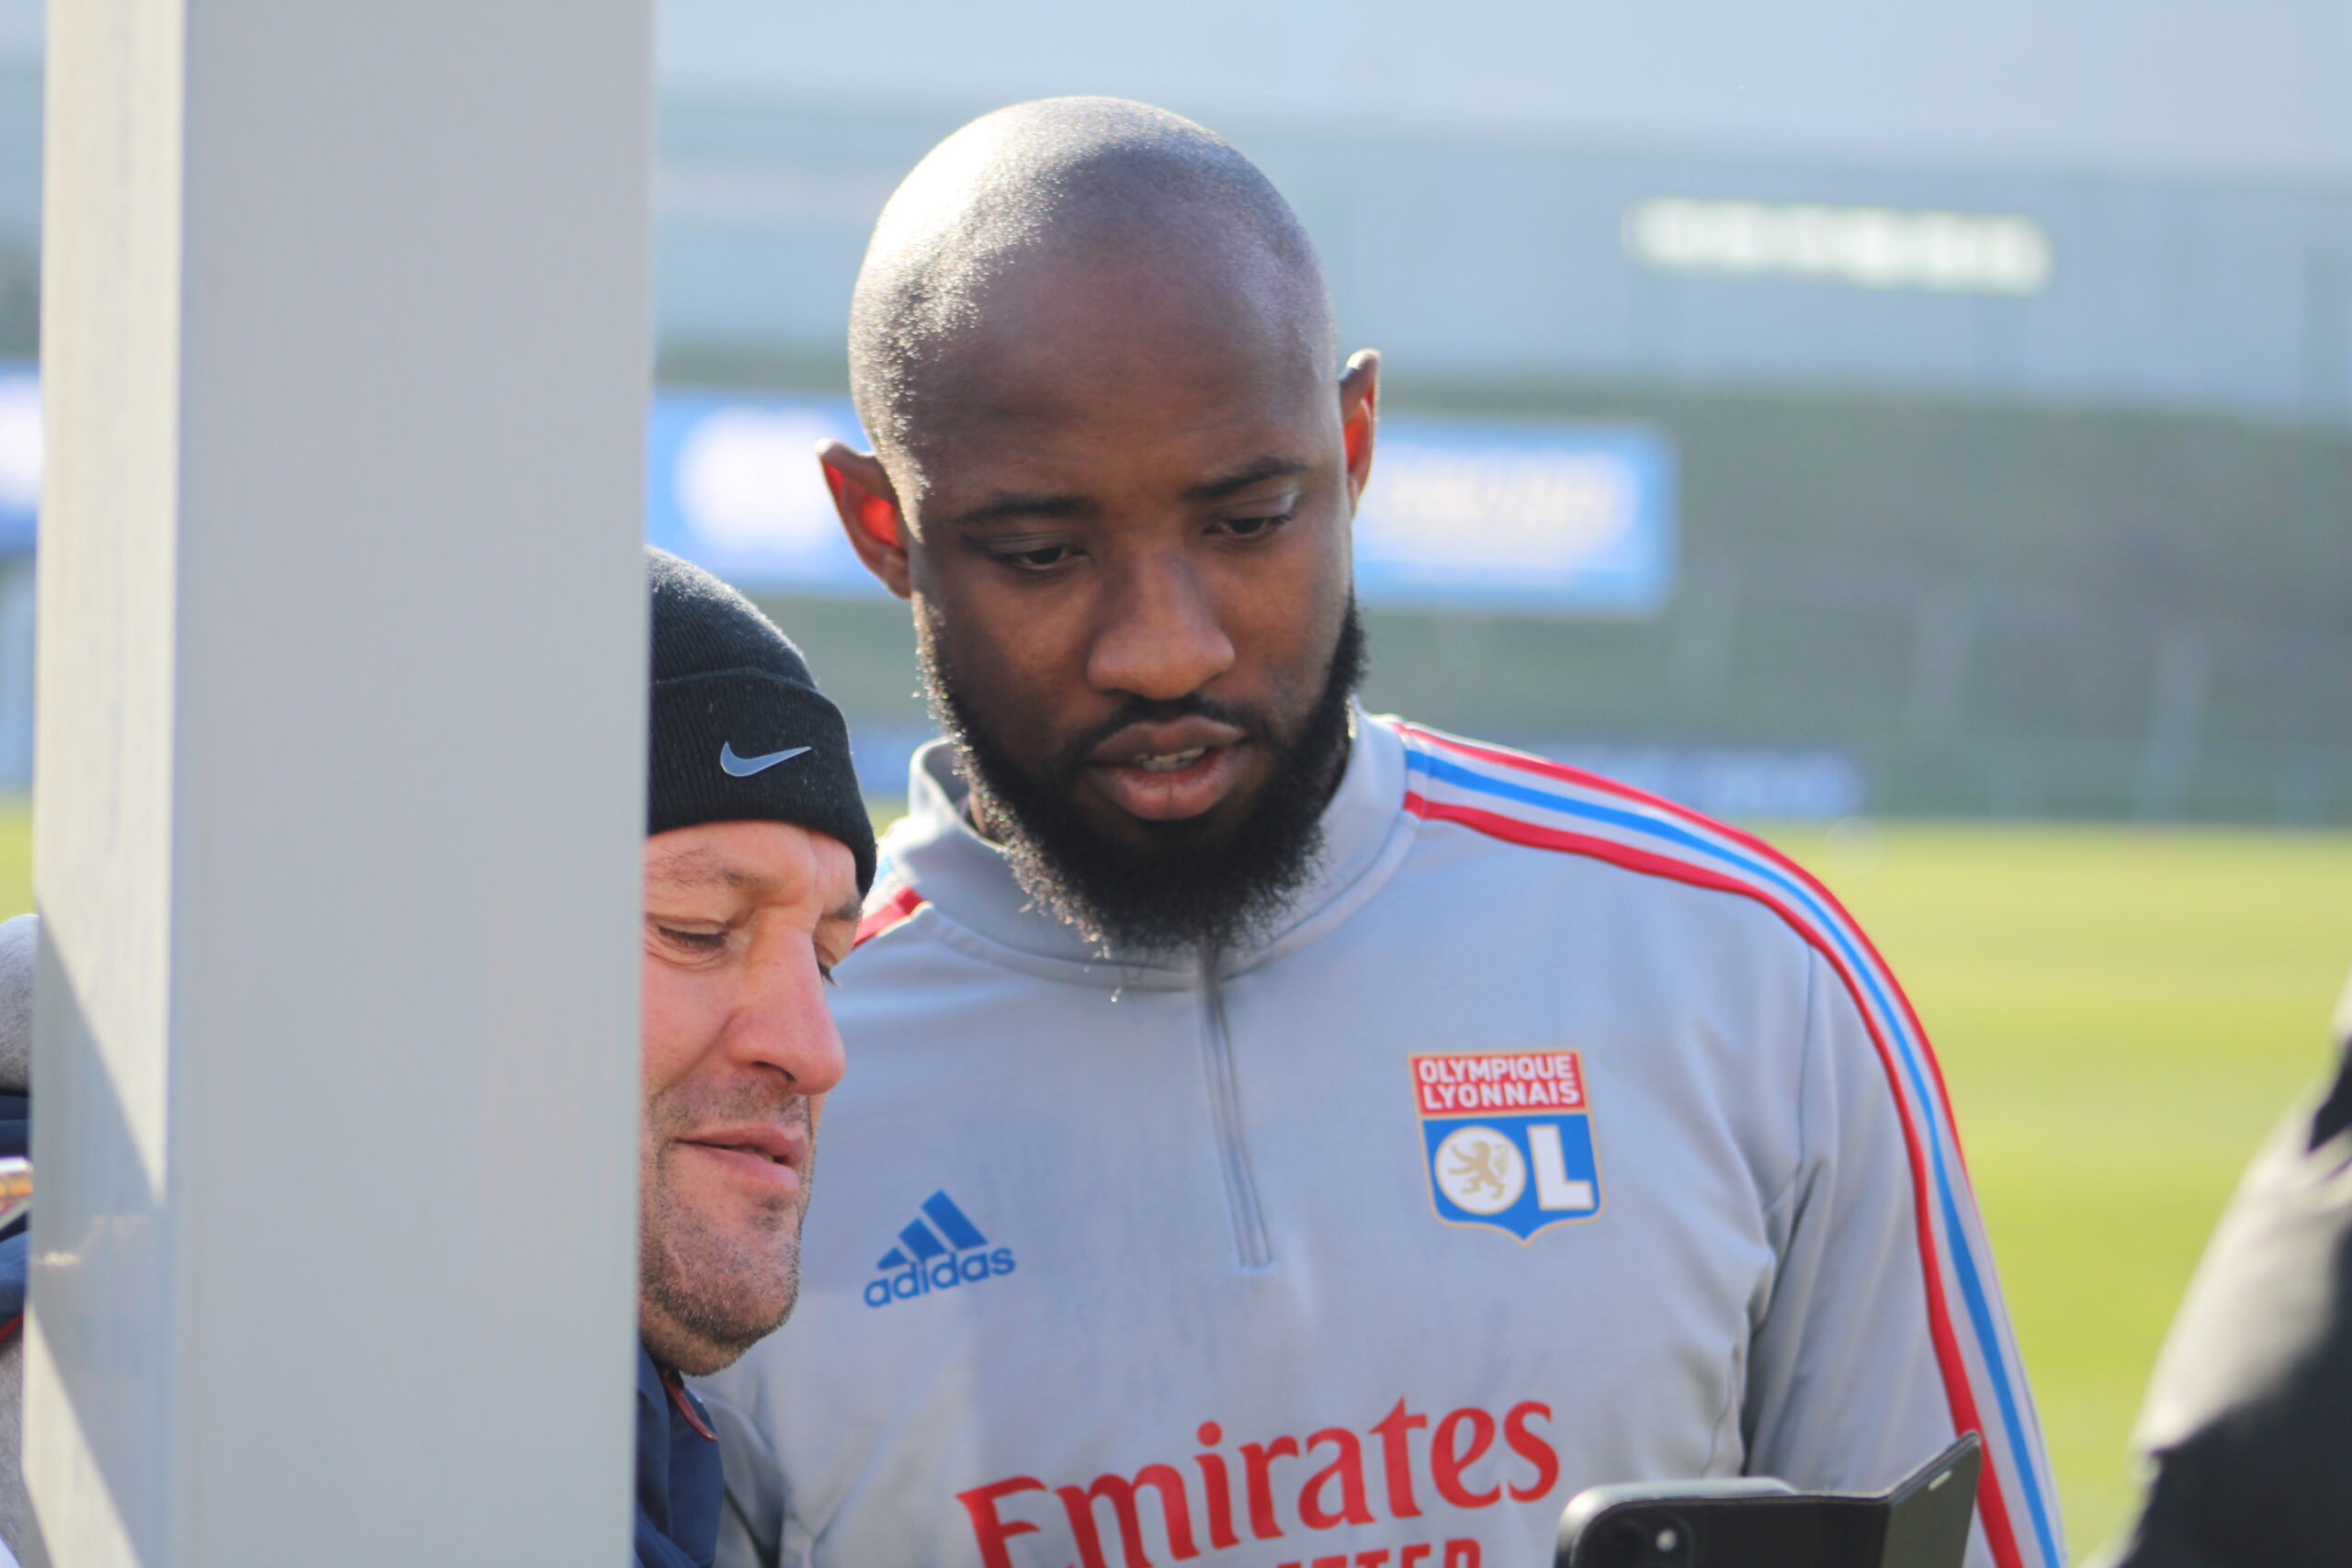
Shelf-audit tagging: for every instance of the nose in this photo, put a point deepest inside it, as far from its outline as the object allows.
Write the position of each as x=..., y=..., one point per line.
x=783, y=1021
x=1160, y=636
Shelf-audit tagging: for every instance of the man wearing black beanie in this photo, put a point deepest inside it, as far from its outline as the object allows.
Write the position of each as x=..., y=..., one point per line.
x=758, y=850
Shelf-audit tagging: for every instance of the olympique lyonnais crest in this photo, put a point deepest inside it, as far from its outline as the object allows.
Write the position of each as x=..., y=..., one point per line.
x=1509, y=1135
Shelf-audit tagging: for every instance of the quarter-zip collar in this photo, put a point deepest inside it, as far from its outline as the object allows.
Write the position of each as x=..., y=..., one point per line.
x=969, y=882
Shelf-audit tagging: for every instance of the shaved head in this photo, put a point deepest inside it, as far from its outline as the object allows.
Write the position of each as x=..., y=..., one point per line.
x=1115, y=470
x=1069, y=183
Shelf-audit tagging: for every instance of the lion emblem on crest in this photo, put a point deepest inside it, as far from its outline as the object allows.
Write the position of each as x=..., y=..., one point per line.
x=1480, y=1169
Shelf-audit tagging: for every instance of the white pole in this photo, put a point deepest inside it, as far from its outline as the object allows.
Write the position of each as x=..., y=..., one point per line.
x=339, y=782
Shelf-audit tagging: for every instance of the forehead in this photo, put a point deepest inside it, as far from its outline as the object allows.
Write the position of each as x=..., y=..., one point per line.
x=1122, y=367
x=763, y=862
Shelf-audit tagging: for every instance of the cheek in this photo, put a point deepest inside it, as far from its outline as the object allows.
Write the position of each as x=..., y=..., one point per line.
x=1012, y=657
x=1282, y=610
x=677, y=1022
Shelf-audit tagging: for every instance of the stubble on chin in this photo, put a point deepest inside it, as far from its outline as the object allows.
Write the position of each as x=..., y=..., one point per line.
x=707, y=1292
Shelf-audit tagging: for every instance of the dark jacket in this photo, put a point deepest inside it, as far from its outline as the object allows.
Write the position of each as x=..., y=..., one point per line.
x=20, y=939
x=16, y=1139
x=678, y=1486
x=2248, y=1422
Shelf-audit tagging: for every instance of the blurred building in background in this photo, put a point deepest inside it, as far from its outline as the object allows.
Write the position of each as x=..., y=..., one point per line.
x=1978, y=385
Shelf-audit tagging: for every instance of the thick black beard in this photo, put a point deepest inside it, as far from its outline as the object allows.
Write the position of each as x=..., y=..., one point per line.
x=1185, y=888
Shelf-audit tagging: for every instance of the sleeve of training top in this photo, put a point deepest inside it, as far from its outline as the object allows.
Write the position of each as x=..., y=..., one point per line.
x=1884, y=1332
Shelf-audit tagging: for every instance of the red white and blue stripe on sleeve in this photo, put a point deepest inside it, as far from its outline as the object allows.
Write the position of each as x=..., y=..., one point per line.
x=1525, y=800
x=889, y=908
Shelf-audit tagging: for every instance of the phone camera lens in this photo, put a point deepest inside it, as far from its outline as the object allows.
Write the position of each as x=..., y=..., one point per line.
x=1644, y=1541
x=1668, y=1543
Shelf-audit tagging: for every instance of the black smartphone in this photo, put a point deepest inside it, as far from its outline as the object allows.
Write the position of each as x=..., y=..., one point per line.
x=1921, y=1522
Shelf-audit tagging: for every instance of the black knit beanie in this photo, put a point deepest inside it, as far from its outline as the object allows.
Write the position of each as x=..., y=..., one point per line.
x=739, y=731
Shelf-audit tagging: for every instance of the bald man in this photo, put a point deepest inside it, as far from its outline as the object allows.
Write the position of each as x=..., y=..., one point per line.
x=1282, y=1136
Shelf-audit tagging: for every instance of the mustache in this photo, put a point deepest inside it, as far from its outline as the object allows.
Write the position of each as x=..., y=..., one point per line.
x=681, y=1109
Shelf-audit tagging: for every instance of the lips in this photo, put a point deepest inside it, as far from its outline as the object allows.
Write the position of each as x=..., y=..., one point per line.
x=1168, y=771
x=765, y=1156
x=751, y=1149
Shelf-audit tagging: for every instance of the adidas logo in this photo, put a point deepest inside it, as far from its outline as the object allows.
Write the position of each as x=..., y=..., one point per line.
x=939, y=1250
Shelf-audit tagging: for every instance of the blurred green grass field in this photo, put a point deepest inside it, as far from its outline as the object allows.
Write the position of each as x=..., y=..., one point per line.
x=2122, y=1013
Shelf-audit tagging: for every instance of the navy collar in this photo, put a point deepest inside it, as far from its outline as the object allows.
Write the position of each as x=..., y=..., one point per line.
x=679, y=1485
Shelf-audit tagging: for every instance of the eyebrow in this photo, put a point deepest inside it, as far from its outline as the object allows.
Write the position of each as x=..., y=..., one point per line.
x=1018, y=505
x=688, y=868
x=699, y=865
x=1241, y=478
x=1038, y=504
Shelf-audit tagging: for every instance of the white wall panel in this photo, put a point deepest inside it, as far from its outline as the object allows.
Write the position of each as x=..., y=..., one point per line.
x=340, y=781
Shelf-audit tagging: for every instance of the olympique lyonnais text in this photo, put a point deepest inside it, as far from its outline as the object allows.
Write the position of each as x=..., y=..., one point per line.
x=1460, y=1464
x=1498, y=1080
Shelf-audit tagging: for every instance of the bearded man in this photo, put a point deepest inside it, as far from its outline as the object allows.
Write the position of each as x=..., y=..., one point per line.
x=1283, y=1135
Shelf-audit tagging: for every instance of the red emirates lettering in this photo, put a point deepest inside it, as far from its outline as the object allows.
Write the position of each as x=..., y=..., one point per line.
x=1449, y=1459
x=1458, y=1554
x=1345, y=1471
x=1218, y=1488
x=1396, y=1458
x=1120, y=1493
x=992, y=1530
x=1532, y=1448
x=1326, y=1481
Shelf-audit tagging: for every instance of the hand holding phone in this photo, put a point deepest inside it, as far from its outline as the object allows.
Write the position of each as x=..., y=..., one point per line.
x=1921, y=1522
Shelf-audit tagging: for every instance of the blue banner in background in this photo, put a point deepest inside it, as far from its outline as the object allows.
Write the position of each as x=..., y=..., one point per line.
x=1558, y=517
x=1562, y=518
x=731, y=484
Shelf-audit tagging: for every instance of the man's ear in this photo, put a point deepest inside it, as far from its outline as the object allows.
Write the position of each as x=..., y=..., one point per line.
x=869, y=509
x=1360, y=417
